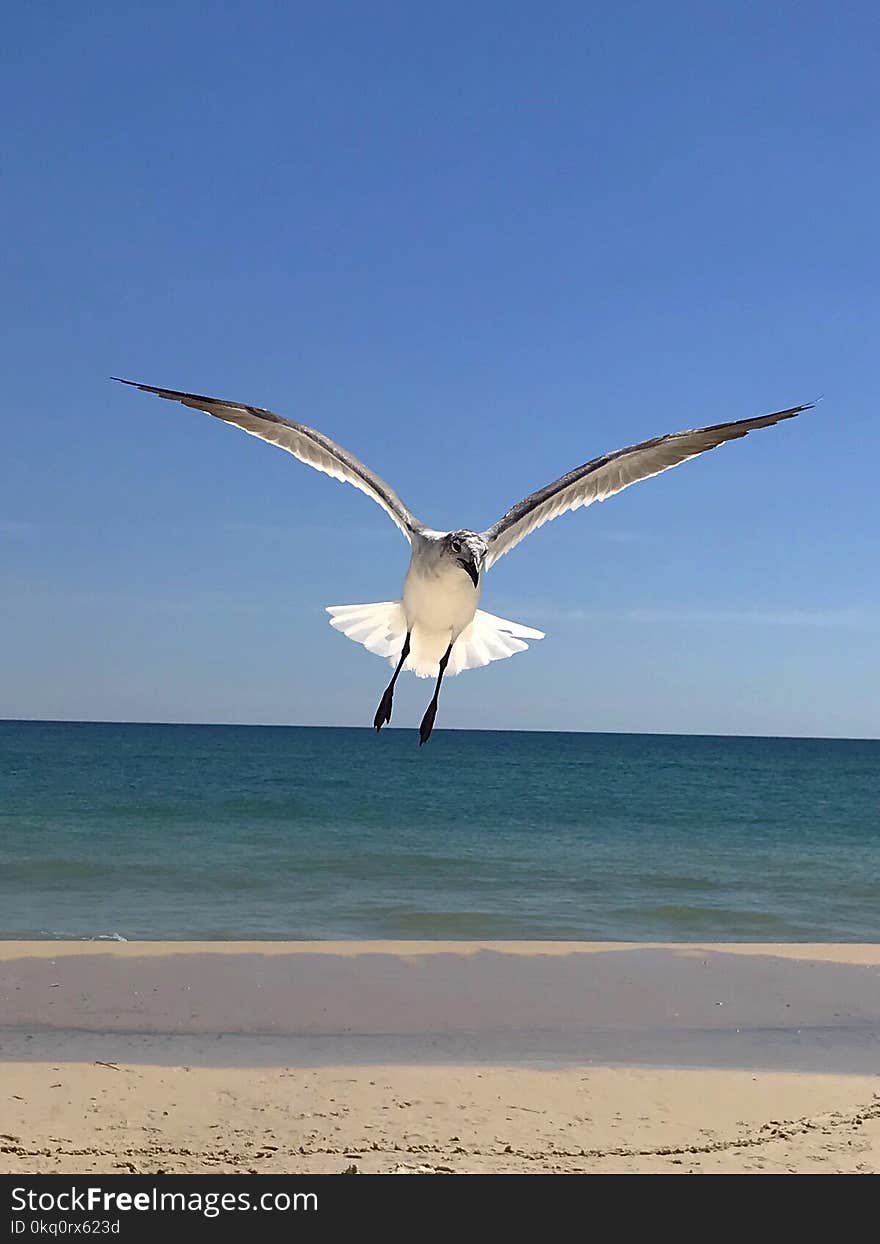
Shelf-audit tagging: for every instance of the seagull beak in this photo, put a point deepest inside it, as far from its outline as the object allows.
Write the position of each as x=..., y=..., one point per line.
x=470, y=566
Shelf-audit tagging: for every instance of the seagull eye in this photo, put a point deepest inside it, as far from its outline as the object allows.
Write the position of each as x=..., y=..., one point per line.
x=456, y=546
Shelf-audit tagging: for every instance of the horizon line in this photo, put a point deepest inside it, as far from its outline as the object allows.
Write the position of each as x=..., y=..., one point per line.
x=257, y=725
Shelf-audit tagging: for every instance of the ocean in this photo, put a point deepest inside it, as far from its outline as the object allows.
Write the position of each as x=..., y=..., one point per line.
x=178, y=831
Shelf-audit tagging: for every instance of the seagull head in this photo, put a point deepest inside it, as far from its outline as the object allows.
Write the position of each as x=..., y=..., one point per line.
x=467, y=550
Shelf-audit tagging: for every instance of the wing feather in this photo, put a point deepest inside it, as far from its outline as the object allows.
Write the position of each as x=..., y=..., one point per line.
x=308, y=445
x=610, y=474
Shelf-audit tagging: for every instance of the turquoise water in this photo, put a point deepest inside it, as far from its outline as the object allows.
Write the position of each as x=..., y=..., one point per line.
x=142, y=831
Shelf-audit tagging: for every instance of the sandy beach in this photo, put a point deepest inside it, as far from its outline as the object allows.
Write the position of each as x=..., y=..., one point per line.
x=405, y=1057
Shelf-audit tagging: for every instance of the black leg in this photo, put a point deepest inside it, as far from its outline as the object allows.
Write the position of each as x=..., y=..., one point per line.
x=431, y=712
x=383, y=712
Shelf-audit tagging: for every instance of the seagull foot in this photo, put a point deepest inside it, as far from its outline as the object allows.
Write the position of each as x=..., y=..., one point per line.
x=383, y=712
x=427, y=723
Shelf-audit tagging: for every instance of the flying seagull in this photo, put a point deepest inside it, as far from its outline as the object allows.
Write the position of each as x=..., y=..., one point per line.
x=436, y=627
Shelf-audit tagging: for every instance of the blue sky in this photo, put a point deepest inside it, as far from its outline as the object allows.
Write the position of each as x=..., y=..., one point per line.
x=478, y=244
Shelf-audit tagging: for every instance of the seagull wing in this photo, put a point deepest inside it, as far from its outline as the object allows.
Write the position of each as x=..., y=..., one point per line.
x=311, y=447
x=603, y=477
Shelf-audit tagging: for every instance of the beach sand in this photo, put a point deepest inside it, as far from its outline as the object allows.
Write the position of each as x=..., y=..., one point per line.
x=438, y=1057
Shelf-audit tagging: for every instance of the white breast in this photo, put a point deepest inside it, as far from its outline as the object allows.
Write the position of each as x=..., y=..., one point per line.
x=439, y=599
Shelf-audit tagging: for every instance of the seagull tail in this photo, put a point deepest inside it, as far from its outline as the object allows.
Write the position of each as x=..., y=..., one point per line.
x=486, y=639
x=381, y=628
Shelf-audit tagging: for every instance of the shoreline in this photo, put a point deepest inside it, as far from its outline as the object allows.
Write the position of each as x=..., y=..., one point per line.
x=809, y=1007
x=828, y=952
x=439, y=1057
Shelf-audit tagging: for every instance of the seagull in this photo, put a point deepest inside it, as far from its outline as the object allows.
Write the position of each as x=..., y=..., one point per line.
x=436, y=629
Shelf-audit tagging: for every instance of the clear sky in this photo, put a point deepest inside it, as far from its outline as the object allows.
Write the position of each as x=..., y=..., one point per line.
x=478, y=244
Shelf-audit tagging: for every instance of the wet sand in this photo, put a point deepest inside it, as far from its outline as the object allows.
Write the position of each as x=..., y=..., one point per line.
x=438, y=1057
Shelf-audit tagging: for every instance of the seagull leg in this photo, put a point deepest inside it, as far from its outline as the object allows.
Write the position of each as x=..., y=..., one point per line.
x=431, y=712
x=383, y=712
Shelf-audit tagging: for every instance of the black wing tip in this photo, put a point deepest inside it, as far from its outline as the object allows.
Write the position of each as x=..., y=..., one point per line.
x=180, y=395
x=791, y=411
x=149, y=388
x=757, y=421
x=152, y=388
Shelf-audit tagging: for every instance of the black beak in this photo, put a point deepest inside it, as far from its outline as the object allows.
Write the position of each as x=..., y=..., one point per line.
x=471, y=569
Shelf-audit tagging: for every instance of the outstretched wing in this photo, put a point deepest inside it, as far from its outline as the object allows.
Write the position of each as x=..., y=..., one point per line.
x=311, y=447
x=603, y=477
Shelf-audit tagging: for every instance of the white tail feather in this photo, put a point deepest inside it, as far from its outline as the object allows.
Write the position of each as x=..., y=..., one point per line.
x=381, y=628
